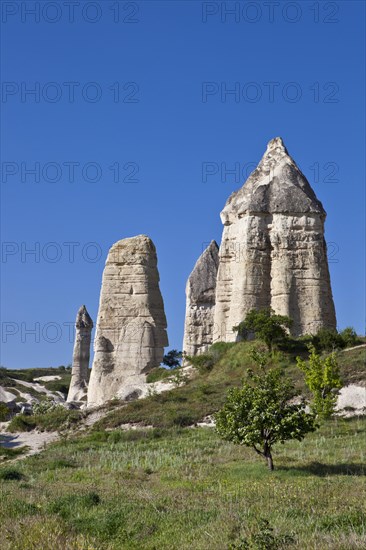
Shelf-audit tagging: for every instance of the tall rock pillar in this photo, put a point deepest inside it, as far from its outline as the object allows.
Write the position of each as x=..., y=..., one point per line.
x=131, y=327
x=200, y=304
x=80, y=362
x=273, y=252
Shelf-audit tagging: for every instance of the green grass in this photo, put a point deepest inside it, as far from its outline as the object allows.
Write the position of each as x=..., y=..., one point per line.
x=8, y=454
x=159, y=373
x=205, y=393
x=186, y=489
x=56, y=419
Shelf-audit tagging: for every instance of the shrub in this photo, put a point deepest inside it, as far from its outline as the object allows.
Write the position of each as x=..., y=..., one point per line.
x=4, y=412
x=259, y=414
x=350, y=337
x=323, y=379
x=203, y=363
x=22, y=423
x=159, y=373
x=266, y=325
x=328, y=340
x=10, y=474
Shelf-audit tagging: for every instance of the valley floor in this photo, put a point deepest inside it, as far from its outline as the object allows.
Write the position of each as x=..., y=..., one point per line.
x=185, y=489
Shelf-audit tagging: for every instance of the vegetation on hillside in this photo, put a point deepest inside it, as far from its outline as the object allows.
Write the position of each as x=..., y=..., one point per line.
x=260, y=413
x=187, y=489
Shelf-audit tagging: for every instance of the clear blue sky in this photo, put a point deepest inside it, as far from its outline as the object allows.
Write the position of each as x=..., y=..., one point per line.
x=298, y=72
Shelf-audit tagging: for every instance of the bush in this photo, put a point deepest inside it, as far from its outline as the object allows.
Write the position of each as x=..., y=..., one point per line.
x=159, y=373
x=44, y=406
x=266, y=325
x=22, y=423
x=10, y=474
x=203, y=363
x=4, y=412
x=350, y=337
x=328, y=340
x=55, y=419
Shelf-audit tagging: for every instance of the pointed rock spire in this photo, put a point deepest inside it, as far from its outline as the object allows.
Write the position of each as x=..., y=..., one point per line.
x=273, y=252
x=200, y=304
x=80, y=363
x=277, y=185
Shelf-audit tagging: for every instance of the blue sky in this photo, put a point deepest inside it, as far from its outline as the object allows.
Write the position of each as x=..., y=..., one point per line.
x=132, y=129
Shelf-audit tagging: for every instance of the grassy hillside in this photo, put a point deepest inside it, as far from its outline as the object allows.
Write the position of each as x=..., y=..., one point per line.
x=205, y=392
x=186, y=489
x=11, y=380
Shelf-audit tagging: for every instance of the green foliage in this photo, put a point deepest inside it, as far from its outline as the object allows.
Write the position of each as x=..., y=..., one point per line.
x=44, y=407
x=68, y=504
x=203, y=362
x=4, y=412
x=266, y=325
x=188, y=489
x=323, y=379
x=206, y=361
x=11, y=474
x=259, y=414
x=9, y=453
x=58, y=418
x=350, y=337
x=59, y=385
x=22, y=423
x=159, y=373
x=327, y=340
x=263, y=538
x=179, y=378
x=172, y=358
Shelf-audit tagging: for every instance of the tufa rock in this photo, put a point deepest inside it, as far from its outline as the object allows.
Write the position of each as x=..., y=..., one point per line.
x=131, y=326
x=200, y=302
x=80, y=363
x=273, y=252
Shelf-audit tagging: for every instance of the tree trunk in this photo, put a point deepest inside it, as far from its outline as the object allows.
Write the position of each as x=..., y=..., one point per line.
x=268, y=455
x=270, y=462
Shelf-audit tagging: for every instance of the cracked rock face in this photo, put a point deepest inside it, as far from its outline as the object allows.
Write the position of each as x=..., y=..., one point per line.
x=273, y=252
x=200, y=302
x=131, y=326
x=80, y=362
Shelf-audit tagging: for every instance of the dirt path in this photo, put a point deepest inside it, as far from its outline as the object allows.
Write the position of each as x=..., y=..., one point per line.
x=36, y=441
x=355, y=347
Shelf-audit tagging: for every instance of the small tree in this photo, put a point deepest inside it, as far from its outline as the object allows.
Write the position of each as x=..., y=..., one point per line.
x=323, y=379
x=328, y=340
x=259, y=414
x=266, y=325
x=349, y=336
x=172, y=358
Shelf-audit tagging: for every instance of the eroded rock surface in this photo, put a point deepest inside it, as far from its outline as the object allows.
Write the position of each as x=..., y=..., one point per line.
x=80, y=363
x=273, y=252
x=200, y=302
x=131, y=326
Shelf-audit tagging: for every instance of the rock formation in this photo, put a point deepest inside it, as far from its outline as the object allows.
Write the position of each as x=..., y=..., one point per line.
x=273, y=252
x=131, y=326
x=80, y=362
x=200, y=304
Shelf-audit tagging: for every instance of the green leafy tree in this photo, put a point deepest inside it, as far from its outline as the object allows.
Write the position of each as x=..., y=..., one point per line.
x=266, y=325
x=323, y=379
x=259, y=413
x=349, y=336
x=172, y=358
x=328, y=340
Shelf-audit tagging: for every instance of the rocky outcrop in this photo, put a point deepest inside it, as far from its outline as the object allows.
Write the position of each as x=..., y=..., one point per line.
x=80, y=363
x=200, y=302
x=131, y=326
x=273, y=252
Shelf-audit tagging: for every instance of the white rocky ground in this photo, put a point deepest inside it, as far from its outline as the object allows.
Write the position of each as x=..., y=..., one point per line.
x=47, y=378
x=35, y=441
